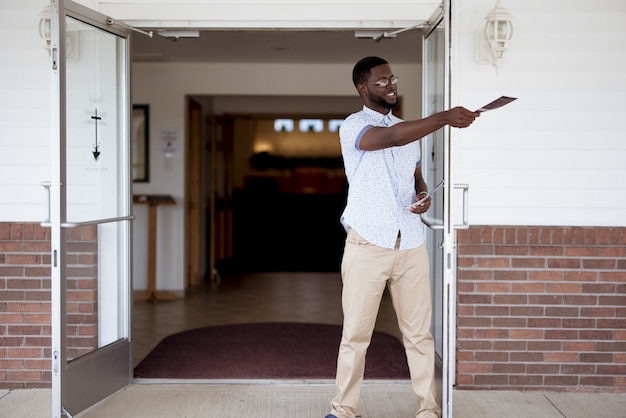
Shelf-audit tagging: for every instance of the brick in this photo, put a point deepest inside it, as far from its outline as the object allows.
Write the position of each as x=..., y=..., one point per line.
x=612, y=276
x=504, y=299
x=612, y=347
x=528, y=287
x=509, y=322
x=564, y=263
x=580, y=276
x=492, y=333
x=614, y=369
x=474, y=299
x=492, y=262
x=544, y=322
x=596, y=357
x=546, y=275
x=598, y=264
x=475, y=250
x=598, y=288
x=526, y=380
x=561, y=357
x=612, y=300
x=619, y=323
x=546, y=251
x=596, y=335
x=528, y=263
x=563, y=287
x=512, y=250
x=580, y=300
x=528, y=357
x=491, y=356
x=24, y=284
x=491, y=379
x=22, y=259
x=596, y=381
x=510, y=275
x=526, y=334
x=526, y=311
x=510, y=346
x=561, y=334
x=474, y=274
x=543, y=368
x=508, y=368
x=480, y=322
x=561, y=380
x=545, y=299
x=492, y=311
x=579, y=346
x=578, y=369
x=579, y=323
x=493, y=287
x=562, y=311
x=24, y=375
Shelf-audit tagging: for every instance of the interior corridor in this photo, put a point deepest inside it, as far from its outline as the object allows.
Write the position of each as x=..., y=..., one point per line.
x=245, y=298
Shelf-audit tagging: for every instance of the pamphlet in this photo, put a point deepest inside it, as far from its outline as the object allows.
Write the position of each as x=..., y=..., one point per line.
x=499, y=102
x=430, y=193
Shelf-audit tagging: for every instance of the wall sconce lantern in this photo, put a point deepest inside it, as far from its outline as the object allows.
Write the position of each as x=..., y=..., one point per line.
x=44, y=27
x=494, y=39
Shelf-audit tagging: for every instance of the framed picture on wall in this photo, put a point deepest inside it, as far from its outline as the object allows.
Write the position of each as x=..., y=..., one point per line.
x=140, y=144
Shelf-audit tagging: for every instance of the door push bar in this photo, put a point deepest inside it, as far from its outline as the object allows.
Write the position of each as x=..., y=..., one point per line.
x=46, y=223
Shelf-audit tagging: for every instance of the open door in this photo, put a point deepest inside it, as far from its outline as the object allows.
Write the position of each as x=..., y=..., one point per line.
x=90, y=208
x=437, y=167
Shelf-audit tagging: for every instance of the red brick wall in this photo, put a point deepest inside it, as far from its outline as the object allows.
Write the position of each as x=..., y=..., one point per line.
x=25, y=305
x=542, y=308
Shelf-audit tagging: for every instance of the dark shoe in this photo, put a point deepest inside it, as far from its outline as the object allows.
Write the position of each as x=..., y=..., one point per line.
x=330, y=416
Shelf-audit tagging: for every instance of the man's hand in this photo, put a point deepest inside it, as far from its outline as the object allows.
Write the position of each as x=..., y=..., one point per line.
x=460, y=117
x=422, y=207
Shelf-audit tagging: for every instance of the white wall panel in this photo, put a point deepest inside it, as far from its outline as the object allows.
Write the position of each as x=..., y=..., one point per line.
x=555, y=156
x=24, y=112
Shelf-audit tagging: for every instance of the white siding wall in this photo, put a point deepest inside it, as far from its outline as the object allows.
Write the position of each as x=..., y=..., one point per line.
x=24, y=112
x=557, y=155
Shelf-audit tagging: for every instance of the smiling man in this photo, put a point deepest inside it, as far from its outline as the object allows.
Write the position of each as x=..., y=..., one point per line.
x=385, y=244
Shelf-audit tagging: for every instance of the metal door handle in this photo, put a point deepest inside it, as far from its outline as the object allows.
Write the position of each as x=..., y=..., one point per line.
x=465, y=188
x=46, y=185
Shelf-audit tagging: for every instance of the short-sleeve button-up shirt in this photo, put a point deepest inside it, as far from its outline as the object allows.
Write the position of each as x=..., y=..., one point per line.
x=381, y=184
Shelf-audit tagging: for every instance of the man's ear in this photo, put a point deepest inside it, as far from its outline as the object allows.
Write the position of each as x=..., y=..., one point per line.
x=361, y=89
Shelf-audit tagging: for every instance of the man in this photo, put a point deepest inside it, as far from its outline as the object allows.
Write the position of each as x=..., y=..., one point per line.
x=385, y=245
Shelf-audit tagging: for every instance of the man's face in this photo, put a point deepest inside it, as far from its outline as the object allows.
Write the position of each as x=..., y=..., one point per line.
x=378, y=97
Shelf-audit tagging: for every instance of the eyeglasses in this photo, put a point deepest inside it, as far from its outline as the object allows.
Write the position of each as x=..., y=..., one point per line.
x=384, y=82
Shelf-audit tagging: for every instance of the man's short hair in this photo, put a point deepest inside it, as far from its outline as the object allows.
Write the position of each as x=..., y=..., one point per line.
x=363, y=69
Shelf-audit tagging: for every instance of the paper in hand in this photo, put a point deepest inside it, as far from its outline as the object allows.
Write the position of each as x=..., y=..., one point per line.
x=432, y=192
x=499, y=102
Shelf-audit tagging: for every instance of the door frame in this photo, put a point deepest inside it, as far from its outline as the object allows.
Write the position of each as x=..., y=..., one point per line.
x=443, y=253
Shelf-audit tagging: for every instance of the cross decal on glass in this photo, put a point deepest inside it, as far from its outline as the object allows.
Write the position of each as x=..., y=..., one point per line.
x=96, y=152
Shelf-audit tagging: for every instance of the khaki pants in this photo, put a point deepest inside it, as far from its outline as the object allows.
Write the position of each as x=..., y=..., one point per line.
x=366, y=269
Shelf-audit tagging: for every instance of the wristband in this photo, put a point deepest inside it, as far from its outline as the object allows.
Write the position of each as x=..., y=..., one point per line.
x=423, y=192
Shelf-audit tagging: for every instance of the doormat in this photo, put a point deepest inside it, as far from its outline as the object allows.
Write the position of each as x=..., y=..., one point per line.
x=266, y=351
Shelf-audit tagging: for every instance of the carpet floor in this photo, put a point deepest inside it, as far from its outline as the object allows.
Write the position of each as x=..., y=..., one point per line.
x=266, y=351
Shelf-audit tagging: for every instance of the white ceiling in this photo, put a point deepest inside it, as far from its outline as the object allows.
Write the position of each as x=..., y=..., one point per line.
x=280, y=46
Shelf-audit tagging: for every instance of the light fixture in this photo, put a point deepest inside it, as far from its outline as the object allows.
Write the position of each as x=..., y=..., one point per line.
x=494, y=39
x=44, y=27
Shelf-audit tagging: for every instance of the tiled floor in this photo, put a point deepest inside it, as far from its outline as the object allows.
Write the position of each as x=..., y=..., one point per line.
x=258, y=297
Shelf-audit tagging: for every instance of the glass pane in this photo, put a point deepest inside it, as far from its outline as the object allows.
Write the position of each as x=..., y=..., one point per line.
x=95, y=291
x=94, y=123
x=433, y=171
x=97, y=166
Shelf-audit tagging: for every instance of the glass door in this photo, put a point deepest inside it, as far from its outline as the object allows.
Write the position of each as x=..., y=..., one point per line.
x=90, y=208
x=436, y=167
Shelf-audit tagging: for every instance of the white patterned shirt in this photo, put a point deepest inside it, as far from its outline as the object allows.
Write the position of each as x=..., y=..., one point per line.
x=381, y=184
